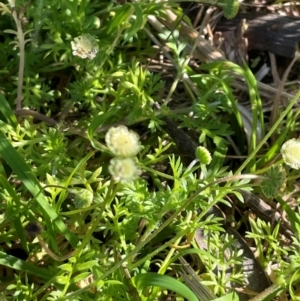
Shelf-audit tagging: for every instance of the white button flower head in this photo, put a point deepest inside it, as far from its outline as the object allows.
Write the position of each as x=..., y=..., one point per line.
x=123, y=170
x=290, y=151
x=85, y=46
x=122, y=142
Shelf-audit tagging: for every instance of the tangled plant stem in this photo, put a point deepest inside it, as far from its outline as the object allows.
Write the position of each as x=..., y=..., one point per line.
x=155, y=233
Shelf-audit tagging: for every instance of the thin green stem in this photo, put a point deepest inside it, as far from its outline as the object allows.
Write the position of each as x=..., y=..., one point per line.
x=166, y=261
x=158, y=172
x=181, y=70
x=265, y=295
x=112, y=190
x=50, y=253
x=173, y=87
x=268, y=135
x=94, y=223
x=22, y=54
x=280, y=89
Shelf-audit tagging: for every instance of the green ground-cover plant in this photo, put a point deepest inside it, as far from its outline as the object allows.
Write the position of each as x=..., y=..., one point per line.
x=104, y=212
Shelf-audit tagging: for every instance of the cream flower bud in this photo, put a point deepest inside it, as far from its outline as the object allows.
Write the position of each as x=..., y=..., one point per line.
x=85, y=46
x=123, y=170
x=122, y=142
x=290, y=151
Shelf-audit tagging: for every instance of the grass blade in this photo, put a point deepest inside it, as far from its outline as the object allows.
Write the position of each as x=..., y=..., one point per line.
x=152, y=279
x=24, y=173
x=21, y=265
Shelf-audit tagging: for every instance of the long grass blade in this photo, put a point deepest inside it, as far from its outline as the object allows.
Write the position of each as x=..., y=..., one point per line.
x=24, y=173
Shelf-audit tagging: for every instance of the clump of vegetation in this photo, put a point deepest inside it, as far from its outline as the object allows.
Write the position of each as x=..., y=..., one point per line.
x=112, y=164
